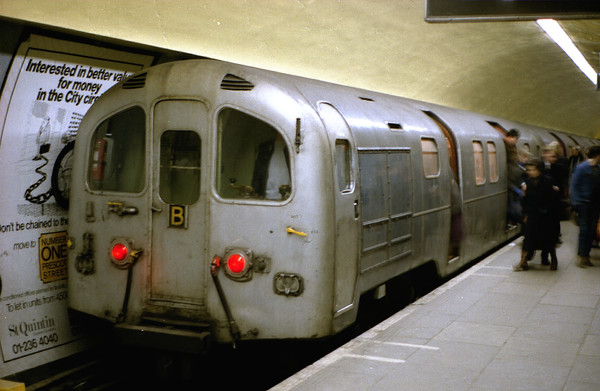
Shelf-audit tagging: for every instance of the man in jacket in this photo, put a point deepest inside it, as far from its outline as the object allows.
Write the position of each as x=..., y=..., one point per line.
x=585, y=199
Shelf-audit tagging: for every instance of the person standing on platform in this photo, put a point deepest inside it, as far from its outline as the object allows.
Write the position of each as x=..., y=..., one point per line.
x=515, y=173
x=541, y=225
x=555, y=167
x=585, y=200
x=575, y=158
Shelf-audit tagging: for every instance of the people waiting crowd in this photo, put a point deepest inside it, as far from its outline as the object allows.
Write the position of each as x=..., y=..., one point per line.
x=551, y=184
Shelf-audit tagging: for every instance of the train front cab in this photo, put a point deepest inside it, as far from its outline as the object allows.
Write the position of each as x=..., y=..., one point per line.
x=163, y=184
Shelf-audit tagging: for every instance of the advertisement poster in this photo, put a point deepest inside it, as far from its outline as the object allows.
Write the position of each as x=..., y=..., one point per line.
x=50, y=86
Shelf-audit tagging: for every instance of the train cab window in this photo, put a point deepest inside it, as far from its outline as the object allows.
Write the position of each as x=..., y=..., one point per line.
x=179, y=167
x=526, y=147
x=478, y=162
x=117, y=158
x=493, y=162
x=343, y=163
x=431, y=164
x=253, y=159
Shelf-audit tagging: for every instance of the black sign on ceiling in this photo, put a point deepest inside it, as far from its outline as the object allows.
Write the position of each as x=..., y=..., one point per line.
x=495, y=10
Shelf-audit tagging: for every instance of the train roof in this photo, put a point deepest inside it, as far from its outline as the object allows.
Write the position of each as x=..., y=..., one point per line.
x=363, y=109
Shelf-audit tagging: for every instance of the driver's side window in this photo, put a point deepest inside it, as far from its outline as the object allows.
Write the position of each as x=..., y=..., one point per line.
x=253, y=159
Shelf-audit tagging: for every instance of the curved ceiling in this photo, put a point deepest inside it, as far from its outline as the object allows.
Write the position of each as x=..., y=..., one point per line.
x=507, y=69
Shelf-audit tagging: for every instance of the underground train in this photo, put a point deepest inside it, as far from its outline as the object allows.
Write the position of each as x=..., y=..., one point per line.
x=216, y=202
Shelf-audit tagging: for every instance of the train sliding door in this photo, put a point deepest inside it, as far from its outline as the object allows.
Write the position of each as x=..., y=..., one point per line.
x=346, y=207
x=179, y=264
x=456, y=224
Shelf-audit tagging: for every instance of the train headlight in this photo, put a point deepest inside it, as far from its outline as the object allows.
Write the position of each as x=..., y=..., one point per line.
x=122, y=253
x=238, y=264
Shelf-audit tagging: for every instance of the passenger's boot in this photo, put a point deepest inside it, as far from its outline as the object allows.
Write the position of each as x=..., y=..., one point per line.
x=582, y=261
x=545, y=258
x=522, y=265
x=553, y=260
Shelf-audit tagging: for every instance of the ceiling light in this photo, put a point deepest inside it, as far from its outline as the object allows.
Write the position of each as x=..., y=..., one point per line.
x=558, y=35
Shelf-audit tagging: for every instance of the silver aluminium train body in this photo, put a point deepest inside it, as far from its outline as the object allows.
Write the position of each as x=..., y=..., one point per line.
x=212, y=201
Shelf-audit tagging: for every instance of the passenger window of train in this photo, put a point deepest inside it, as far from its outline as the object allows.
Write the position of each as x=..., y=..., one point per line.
x=478, y=160
x=431, y=165
x=117, y=158
x=493, y=162
x=179, y=167
x=253, y=159
x=343, y=163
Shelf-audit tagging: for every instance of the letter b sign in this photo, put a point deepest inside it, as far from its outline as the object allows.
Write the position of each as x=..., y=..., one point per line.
x=177, y=216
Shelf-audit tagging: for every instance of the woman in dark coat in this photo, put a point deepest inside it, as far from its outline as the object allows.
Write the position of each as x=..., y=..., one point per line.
x=540, y=211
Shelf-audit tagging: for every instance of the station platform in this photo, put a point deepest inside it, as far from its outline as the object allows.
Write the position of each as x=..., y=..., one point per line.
x=487, y=329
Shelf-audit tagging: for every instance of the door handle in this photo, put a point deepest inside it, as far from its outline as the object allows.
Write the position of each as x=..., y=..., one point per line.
x=120, y=209
x=356, y=209
x=290, y=230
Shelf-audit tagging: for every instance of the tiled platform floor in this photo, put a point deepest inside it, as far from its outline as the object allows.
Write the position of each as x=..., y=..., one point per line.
x=488, y=329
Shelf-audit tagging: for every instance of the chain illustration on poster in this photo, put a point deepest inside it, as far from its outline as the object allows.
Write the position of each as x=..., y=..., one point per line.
x=77, y=85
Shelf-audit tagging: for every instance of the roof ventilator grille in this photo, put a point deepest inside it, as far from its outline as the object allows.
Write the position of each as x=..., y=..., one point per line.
x=137, y=81
x=234, y=83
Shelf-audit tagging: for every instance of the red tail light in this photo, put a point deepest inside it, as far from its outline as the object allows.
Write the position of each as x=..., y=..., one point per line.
x=120, y=251
x=236, y=263
x=123, y=254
